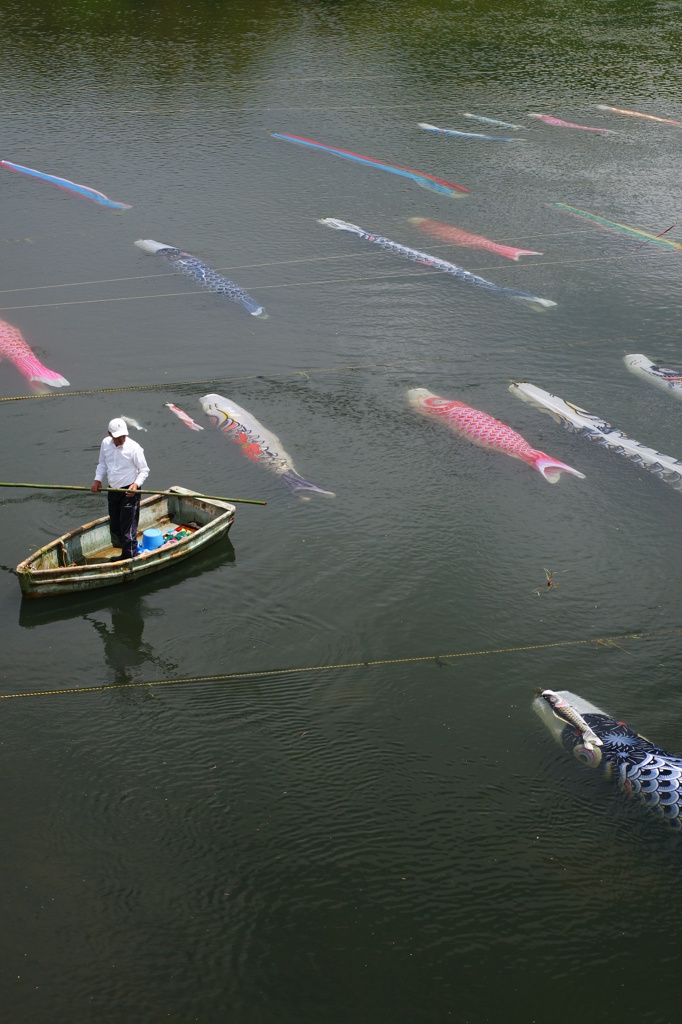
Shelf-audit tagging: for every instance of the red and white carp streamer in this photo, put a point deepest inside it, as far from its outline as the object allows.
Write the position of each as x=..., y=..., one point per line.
x=187, y=420
x=257, y=443
x=17, y=351
x=487, y=432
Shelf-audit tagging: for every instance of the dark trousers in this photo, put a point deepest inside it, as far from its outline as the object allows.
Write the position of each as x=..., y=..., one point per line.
x=124, y=513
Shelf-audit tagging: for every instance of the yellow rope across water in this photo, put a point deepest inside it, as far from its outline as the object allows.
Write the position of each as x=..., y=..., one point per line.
x=311, y=371
x=605, y=641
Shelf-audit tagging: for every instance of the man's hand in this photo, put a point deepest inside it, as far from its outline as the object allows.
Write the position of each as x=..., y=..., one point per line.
x=97, y=486
x=133, y=487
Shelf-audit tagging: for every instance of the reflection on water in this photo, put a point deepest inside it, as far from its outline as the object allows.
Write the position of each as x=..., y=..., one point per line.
x=124, y=649
x=127, y=608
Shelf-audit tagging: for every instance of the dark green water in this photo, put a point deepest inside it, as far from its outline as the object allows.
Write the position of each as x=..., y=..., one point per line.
x=396, y=842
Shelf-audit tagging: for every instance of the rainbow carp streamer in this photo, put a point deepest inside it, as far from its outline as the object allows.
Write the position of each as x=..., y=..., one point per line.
x=67, y=186
x=435, y=262
x=202, y=273
x=622, y=229
x=548, y=119
x=429, y=181
x=464, y=135
x=635, y=113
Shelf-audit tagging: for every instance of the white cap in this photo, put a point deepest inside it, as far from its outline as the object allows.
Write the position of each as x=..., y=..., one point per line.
x=118, y=427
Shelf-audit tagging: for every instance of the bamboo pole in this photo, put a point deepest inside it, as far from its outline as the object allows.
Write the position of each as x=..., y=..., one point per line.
x=123, y=490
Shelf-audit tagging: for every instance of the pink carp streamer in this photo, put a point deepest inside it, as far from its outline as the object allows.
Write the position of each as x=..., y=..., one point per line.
x=486, y=432
x=548, y=119
x=15, y=350
x=68, y=186
x=635, y=113
x=187, y=420
x=458, y=237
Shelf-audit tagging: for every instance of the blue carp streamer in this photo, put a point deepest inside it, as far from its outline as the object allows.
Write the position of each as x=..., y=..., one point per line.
x=68, y=186
x=202, y=273
x=642, y=771
x=434, y=261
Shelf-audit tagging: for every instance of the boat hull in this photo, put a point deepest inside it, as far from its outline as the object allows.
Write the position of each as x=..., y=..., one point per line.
x=80, y=560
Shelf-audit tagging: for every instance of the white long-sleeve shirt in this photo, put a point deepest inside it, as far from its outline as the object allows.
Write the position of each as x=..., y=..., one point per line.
x=123, y=465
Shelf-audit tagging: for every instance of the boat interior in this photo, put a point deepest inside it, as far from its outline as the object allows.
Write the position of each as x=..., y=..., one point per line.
x=91, y=544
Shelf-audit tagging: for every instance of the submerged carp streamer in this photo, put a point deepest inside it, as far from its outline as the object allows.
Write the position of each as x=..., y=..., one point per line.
x=133, y=423
x=584, y=424
x=17, y=351
x=662, y=377
x=548, y=119
x=68, y=186
x=487, y=432
x=494, y=121
x=458, y=237
x=182, y=415
x=257, y=443
x=635, y=113
x=202, y=273
x=464, y=135
x=640, y=769
x=420, y=177
x=434, y=262
x=622, y=229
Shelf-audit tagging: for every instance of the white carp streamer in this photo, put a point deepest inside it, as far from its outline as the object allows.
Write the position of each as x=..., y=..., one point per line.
x=661, y=376
x=583, y=423
x=257, y=443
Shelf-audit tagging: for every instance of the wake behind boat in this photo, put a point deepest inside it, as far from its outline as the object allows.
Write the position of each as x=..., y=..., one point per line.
x=81, y=560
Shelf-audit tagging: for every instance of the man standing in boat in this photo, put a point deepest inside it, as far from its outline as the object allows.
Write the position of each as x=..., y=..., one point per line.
x=122, y=462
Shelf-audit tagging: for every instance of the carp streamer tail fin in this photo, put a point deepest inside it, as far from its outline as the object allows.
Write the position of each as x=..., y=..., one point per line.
x=296, y=483
x=251, y=306
x=533, y=300
x=33, y=369
x=552, y=469
x=518, y=252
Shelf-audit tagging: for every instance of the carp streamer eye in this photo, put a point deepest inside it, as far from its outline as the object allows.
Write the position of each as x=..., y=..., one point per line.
x=589, y=756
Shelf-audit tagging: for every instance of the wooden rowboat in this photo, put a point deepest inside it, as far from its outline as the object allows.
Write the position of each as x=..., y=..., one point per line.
x=81, y=560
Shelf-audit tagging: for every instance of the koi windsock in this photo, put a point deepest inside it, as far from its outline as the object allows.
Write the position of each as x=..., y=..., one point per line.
x=15, y=350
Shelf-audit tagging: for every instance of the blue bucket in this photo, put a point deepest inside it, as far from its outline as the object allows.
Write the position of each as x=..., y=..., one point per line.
x=152, y=539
